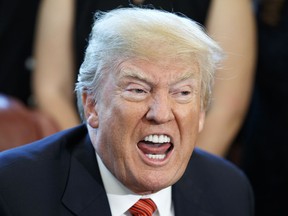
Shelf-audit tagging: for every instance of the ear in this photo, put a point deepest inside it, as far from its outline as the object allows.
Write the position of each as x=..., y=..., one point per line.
x=90, y=112
x=201, y=120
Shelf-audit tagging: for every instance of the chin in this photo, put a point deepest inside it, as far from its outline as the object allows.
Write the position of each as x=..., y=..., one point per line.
x=153, y=185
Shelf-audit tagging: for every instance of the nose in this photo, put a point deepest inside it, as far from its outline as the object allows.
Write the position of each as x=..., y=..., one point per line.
x=160, y=109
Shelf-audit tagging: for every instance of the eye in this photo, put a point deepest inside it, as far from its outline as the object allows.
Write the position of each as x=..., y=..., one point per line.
x=185, y=93
x=182, y=94
x=137, y=90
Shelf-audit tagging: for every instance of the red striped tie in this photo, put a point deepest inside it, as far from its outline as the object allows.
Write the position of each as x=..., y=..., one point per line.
x=144, y=207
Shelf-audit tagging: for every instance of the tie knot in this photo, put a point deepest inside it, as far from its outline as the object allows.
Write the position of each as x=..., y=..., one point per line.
x=144, y=207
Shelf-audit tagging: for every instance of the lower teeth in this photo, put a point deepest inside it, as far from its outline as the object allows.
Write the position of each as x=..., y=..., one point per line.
x=156, y=156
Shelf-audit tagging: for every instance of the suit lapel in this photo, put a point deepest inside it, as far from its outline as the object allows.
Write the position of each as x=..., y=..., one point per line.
x=187, y=195
x=84, y=194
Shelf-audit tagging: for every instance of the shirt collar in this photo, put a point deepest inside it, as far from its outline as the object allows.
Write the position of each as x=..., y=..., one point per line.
x=121, y=198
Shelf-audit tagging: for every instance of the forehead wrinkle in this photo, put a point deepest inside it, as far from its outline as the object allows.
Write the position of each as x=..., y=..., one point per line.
x=189, y=74
x=136, y=74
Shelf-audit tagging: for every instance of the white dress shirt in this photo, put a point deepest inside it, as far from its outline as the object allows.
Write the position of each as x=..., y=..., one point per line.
x=121, y=198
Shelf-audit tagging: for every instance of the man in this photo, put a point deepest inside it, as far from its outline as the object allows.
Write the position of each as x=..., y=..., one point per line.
x=143, y=90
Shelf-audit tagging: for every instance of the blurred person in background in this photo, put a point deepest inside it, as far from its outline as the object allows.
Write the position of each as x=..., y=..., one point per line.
x=264, y=135
x=17, y=25
x=20, y=122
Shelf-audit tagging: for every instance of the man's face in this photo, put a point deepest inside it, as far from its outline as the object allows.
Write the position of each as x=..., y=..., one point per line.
x=147, y=119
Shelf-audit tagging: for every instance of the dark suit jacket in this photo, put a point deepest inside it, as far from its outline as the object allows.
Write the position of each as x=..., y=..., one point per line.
x=59, y=175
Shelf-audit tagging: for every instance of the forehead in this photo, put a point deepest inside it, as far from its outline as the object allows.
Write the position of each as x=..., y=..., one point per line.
x=171, y=68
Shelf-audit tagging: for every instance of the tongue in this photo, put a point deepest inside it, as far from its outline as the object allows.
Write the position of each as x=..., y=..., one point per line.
x=149, y=148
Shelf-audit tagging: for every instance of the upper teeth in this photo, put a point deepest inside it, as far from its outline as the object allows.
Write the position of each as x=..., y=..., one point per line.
x=157, y=138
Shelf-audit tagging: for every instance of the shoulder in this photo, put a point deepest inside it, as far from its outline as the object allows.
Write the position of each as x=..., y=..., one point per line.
x=214, y=164
x=219, y=183
x=217, y=169
x=48, y=149
x=38, y=172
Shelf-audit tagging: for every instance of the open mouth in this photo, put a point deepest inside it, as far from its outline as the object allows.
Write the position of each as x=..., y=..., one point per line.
x=156, y=147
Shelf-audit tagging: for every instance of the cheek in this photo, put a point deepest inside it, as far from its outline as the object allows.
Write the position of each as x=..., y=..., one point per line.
x=117, y=122
x=189, y=125
x=118, y=126
x=128, y=113
x=201, y=121
x=189, y=117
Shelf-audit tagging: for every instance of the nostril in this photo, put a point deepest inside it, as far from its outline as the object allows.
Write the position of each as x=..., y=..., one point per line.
x=159, y=116
x=160, y=112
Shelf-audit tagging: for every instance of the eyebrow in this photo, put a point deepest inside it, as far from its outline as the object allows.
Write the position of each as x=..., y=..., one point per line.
x=140, y=75
x=136, y=74
x=187, y=75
